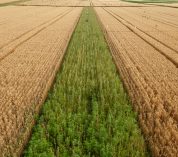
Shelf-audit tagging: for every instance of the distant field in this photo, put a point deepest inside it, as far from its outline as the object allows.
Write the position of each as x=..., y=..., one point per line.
x=152, y=1
x=6, y=1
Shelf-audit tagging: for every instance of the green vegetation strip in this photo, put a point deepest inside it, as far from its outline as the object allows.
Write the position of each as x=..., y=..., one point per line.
x=87, y=113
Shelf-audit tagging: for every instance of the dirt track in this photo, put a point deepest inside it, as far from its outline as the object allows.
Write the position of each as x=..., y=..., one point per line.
x=147, y=63
x=28, y=67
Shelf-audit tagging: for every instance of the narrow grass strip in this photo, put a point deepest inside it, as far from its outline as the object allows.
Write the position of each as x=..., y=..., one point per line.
x=87, y=113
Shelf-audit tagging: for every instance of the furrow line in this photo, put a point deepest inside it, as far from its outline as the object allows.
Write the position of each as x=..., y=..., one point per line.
x=46, y=22
x=150, y=43
x=145, y=33
x=8, y=52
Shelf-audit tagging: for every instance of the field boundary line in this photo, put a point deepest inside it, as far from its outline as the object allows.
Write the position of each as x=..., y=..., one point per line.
x=159, y=5
x=60, y=6
x=156, y=4
x=91, y=5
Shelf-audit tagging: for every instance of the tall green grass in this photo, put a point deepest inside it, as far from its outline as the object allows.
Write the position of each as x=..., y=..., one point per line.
x=87, y=112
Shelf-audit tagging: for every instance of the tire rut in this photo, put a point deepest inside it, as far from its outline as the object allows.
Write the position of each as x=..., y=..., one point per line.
x=150, y=43
x=146, y=33
x=44, y=26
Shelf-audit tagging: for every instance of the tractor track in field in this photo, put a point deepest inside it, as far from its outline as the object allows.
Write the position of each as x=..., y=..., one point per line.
x=144, y=32
x=162, y=14
x=127, y=21
x=166, y=23
x=118, y=18
x=43, y=26
x=28, y=31
x=167, y=13
x=169, y=23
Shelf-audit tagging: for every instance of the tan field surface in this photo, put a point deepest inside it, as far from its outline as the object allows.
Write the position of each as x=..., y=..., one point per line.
x=115, y=3
x=143, y=39
x=17, y=26
x=57, y=3
x=169, y=5
x=6, y=1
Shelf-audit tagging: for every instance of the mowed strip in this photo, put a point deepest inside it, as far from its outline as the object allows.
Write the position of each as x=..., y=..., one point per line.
x=151, y=79
x=87, y=113
x=25, y=77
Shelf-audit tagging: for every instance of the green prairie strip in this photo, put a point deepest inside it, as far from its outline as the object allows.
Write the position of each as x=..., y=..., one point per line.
x=87, y=113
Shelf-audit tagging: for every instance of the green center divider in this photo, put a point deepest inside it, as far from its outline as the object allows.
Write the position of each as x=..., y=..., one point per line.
x=87, y=113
